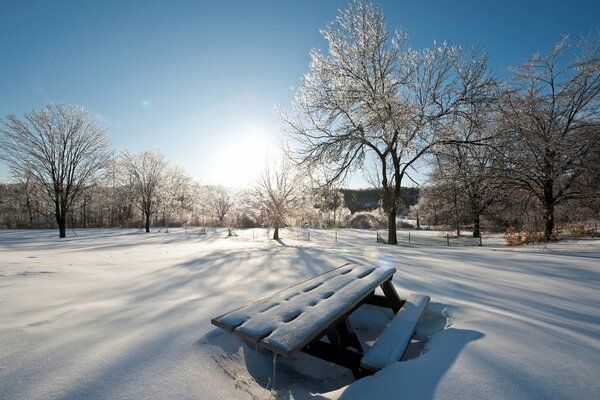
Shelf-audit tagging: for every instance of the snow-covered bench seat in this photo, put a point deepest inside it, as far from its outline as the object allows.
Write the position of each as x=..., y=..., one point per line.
x=393, y=341
x=287, y=321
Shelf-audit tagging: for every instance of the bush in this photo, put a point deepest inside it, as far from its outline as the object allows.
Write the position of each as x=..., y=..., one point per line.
x=525, y=236
x=404, y=225
x=578, y=230
x=363, y=220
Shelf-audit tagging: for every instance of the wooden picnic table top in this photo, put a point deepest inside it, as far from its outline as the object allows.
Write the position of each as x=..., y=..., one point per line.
x=290, y=319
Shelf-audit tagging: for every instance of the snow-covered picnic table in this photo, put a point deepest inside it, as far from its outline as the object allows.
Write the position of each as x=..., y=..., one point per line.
x=296, y=318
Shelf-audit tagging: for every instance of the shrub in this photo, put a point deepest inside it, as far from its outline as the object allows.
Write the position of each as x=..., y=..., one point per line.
x=404, y=225
x=363, y=220
x=578, y=230
x=524, y=236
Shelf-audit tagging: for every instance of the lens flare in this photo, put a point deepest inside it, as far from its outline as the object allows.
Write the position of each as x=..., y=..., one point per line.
x=385, y=260
x=371, y=254
x=146, y=104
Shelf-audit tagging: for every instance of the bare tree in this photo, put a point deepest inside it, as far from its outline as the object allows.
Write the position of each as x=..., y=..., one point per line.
x=144, y=173
x=276, y=191
x=220, y=202
x=243, y=211
x=174, y=196
x=329, y=200
x=551, y=123
x=465, y=174
x=371, y=101
x=62, y=148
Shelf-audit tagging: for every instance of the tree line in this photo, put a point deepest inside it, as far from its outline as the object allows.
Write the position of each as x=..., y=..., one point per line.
x=144, y=190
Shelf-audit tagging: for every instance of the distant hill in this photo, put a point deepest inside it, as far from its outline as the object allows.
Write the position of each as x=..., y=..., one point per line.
x=368, y=199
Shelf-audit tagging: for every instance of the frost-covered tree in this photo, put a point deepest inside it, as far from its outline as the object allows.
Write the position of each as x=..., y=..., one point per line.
x=276, y=192
x=465, y=174
x=371, y=101
x=551, y=123
x=60, y=148
x=243, y=212
x=329, y=200
x=143, y=175
x=219, y=202
x=174, y=196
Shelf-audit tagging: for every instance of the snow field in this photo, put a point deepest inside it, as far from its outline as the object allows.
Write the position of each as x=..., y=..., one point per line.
x=119, y=314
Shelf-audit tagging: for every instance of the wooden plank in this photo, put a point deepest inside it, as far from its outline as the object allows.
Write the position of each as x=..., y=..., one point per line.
x=376, y=300
x=348, y=335
x=391, y=296
x=392, y=343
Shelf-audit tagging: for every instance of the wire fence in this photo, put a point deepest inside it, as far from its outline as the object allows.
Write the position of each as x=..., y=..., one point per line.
x=352, y=237
x=438, y=239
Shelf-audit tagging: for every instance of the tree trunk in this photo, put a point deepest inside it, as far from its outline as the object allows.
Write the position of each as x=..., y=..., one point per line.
x=147, y=222
x=61, y=219
x=276, y=233
x=456, y=213
x=84, y=222
x=62, y=228
x=548, y=210
x=390, y=201
x=392, y=236
x=476, y=226
x=29, y=211
x=549, y=222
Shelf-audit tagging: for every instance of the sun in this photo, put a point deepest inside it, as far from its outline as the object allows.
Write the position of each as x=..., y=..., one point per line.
x=240, y=162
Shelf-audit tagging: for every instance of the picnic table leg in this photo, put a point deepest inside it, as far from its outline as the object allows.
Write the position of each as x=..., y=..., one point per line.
x=338, y=355
x=342, y=335
x=391, y=296
x=334, y=337
x=348, y=335
x=344, y=348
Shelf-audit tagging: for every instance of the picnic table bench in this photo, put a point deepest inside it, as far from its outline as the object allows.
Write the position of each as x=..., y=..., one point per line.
x=299, y=317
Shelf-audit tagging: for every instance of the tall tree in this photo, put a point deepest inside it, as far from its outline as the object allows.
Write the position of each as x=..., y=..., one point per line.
x=144, y=173
x=174, y=196
x=551, y=123
x=467, y=168
x=61, y=148
x=276, y=191
x=372, y=101
x=220, y=202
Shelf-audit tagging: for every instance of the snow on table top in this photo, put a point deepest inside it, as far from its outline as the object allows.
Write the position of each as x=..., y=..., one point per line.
x=288, y=320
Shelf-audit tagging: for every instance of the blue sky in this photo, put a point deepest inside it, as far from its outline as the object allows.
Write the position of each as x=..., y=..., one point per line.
x=194, y=78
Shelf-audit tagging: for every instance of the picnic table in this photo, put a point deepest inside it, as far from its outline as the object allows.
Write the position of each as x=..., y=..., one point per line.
x=299, y=317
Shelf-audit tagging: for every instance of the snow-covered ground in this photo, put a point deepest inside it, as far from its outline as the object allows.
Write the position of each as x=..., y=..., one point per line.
x=116, y=314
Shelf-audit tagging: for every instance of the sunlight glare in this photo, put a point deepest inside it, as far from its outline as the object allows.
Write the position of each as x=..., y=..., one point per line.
x=240, y=162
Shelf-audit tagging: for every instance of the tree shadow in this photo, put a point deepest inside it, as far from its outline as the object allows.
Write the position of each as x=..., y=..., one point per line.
x=417, y=378
x=256, y=370
x=260, y=373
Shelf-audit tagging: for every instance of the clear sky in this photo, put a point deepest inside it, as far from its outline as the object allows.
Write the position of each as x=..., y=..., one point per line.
x=200, y=79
